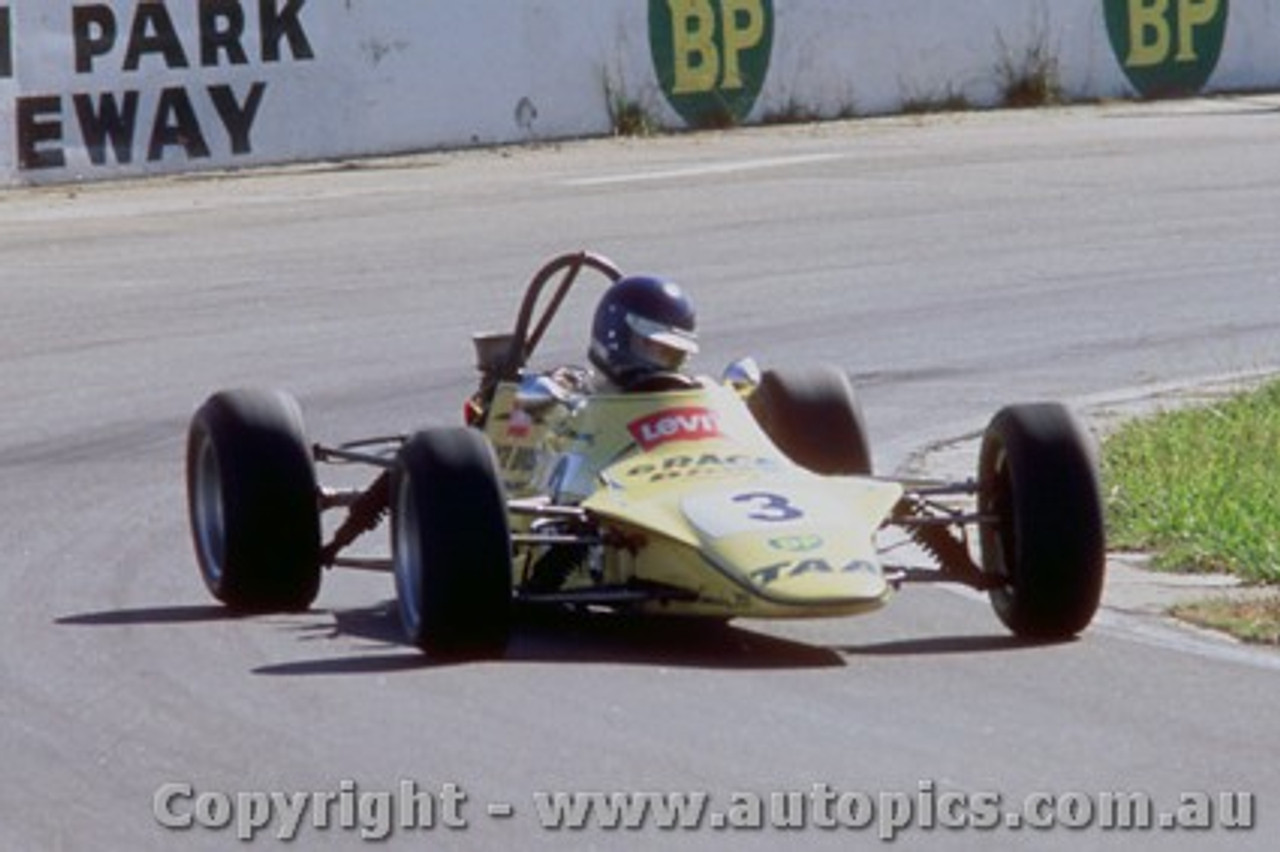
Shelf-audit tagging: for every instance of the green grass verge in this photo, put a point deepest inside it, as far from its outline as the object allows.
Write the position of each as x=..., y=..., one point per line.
x=1198, y=487
x=1252, y=620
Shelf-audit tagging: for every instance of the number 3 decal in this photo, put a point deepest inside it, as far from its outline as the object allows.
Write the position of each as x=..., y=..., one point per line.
x=773, y=508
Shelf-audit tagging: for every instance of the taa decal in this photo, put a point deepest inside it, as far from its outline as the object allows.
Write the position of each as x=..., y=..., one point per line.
x=797, y=568
x=675, y=424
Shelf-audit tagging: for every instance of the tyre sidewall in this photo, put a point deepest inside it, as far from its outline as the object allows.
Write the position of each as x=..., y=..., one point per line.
x=1038, y=475
x=266, y=484
x=451, y=545
x=813, y=416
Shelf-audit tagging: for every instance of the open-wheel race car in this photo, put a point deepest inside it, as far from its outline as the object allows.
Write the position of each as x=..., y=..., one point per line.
x=751, y=495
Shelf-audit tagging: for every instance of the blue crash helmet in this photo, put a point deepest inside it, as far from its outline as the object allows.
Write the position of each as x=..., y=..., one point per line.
x=643, y=325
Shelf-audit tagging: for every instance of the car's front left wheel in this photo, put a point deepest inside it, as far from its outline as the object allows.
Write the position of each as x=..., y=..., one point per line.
x=812, y=415
x=1045, y=542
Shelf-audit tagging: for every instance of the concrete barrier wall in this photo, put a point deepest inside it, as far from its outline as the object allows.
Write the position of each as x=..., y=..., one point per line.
x=115, y=88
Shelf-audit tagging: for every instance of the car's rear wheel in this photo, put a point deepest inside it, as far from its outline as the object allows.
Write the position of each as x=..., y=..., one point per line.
x=1046, y=543
x=451, y=545
x=812, y=415
x=251, y=499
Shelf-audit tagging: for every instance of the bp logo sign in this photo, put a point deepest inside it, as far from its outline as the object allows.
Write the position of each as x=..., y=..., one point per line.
x=1167, y=47
x=712, y=56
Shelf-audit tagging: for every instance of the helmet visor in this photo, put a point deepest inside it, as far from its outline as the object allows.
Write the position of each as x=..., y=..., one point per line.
x=662, y=346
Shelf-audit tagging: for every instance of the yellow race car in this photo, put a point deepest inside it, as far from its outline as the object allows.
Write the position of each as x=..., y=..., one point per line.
x=751, y=495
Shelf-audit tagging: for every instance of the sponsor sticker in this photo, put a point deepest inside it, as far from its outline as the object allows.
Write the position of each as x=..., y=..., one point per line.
x=704, y=466
x=711, y=56
x=675, y=424
x=1167, y=48
x=520, y=424
x=788, y=570
x=797, y=543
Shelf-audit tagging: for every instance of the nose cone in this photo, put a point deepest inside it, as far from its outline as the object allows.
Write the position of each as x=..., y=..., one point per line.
x=806, y=540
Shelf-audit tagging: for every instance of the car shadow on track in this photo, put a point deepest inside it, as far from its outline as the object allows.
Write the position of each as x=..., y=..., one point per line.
x=551, y=636
x=150, y=615
x=557, y=636
x=942, y=645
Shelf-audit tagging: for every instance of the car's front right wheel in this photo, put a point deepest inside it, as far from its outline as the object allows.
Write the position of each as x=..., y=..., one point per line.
x=451, y=545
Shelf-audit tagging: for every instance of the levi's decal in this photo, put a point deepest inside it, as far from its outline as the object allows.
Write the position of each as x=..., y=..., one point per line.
x=675, y=424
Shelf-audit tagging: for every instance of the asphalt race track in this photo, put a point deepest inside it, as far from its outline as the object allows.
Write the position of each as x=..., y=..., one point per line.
x=952, y=264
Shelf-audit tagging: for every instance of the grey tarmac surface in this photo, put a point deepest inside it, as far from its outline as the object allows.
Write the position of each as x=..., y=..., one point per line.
x=953, y=264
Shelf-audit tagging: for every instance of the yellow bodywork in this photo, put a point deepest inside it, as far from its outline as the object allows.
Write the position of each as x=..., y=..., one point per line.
x=690, y=494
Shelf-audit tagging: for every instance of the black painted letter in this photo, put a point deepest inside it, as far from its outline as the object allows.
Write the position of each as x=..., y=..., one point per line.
x=236, y=117
x=176, y=126
x=153, y=32
x=221, y=30
x=108, y=122
x=39, y=120
x=280, y=24
x=94, y=28
x=6, y=43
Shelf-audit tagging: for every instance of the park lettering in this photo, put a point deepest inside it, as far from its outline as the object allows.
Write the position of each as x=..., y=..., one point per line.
x=149, y=123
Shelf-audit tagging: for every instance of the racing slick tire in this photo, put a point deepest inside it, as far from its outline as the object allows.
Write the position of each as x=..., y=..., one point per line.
x=1037, y=477
x=251, y=501
x=451, y=545
x=813, y=417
